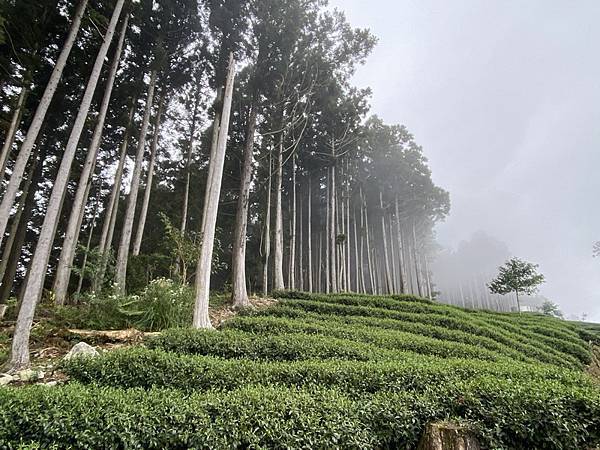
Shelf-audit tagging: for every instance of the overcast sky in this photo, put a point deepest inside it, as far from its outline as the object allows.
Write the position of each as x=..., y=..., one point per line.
x=504, y=96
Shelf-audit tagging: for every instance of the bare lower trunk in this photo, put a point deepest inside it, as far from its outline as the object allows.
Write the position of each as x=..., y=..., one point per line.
x=9, y=140
x=327, y=234
x=110, y=217
x=37, y=269
x=87, y=247
x=300, y=246
x=16, y=224
x=401, y=264
x=369, y=255
x=332, y=231
x=393, y=258
x=67, y=253
x=239, y=292
x=267, y=234
x=211, y=206
x=292, y=277
x=309, y=235
x=32, y=133
x=188, y=168
x=388, y=274
x=123, y=252
x=278, y=250
x=416, y=261
x=146, y=202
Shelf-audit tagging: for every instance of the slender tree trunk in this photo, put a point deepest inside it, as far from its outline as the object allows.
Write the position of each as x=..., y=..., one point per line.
x=123, y=252
x=300, y=245
x=332, y=229
x=309, y=235
x=267, y=234
x=32, y=133
x=327, y=234
x=415, y=260
x=67, y=253
x=188, y=168
x=9, y=140
x=388, y=274
x=211, y=206
x=369, y=256
x=87, y=246
x=239, y=292
x=20, y=345
x=320, y=266
x=24, y=201
x=292, y=280
x=278, y=251
x=146, y=202
x=393, y=258
x=400, y=250
x=110, y=217
x=356, y=264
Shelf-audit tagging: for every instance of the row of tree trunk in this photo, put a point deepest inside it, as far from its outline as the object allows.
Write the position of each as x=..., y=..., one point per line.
x=350, y=246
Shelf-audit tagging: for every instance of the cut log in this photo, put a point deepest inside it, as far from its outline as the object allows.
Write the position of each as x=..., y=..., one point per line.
x=448, y=436
x=130, y=335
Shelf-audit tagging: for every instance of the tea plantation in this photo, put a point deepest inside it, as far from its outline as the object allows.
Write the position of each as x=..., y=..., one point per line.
x=316, y=371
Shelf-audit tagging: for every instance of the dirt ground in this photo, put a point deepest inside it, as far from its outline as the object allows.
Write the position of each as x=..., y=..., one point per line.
x=50, y=344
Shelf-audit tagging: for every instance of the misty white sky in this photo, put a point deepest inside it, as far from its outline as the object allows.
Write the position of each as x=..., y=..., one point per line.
x=504, y=96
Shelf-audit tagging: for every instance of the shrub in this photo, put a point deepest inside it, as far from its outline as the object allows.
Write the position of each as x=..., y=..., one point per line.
x=165, y=304
x=526, y=415
x=162, y=304
x=387, y=339
x=139, y=367
x=476, y=327
x=289, y=347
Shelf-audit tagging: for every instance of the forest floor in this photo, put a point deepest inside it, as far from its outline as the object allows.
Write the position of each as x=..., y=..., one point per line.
x=50, y=342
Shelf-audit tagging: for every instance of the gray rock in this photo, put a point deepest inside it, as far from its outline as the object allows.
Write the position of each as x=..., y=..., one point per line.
x=81, y=349
x=5, y=379
x=30, y=375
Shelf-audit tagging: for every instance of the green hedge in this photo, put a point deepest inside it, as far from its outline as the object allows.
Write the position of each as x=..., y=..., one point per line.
x=139, y=367
x=93, y=418
x=528, y=415
x=290, y=347
x=473, y=326
x=387, y=339
x=423, y=329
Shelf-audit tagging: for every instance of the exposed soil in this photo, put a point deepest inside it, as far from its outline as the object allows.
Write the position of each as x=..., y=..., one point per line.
x=49, y=344
x=594, y=367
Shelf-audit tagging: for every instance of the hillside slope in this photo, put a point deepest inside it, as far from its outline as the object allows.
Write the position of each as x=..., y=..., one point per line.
x=317, y=371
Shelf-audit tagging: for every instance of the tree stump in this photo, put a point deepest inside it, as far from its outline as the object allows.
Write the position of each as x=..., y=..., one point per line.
x=448, y=436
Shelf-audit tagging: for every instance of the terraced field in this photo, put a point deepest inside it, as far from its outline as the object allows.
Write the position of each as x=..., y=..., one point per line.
x=315, y=371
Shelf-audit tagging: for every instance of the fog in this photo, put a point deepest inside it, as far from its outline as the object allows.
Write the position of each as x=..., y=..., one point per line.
x=504, y=96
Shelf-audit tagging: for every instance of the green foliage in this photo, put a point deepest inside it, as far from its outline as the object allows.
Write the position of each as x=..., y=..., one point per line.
x=338, y=371
x=147, y=368
x=517, y=276
x=184, y=247
x=162, y=304
x=142, y=269
x=504, y=413
x=550, y=309
x=486, y=325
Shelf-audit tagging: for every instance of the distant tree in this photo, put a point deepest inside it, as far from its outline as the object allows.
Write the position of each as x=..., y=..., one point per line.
x=596, y=249
x=516, y=276
x=550, y=309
